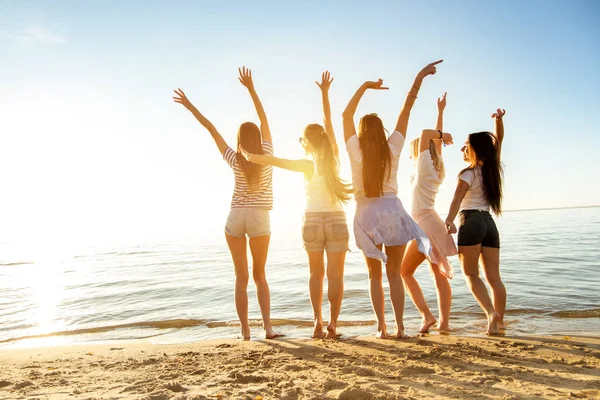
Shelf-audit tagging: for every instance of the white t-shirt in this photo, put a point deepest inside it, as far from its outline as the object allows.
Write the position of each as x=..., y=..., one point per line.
x=475, y=198
x=390, y=185
x=425, y=183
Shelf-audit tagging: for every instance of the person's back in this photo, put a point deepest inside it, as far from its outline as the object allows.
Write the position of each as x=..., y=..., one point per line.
x=425, y=184
x=245, y=195
x=318, y=194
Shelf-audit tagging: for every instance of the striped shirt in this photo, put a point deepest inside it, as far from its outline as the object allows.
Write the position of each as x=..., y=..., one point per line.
x=262, y=196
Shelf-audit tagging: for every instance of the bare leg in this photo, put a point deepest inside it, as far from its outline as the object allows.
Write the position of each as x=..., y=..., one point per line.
x=259, y=247
x=393, y=266
x=335, y=289
x=490, y=261
x=444, y=297
x=376, y=294
x=412, y=259
x=315, y=289
x=469, y=256
x=237, y=247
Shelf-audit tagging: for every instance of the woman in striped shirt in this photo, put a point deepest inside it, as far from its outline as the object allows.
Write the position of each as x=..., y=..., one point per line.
x=324, y=228
x=252, y=200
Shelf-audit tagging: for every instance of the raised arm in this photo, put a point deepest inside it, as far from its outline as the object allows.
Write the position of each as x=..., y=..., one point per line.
x=304, y=166
x=326, y=80
x=246, y=80
x=499, y=129
x=429, y=134
x=348, y=114
x=459, y=195
x=411, y=96
x=181, y=98
x=439, y=124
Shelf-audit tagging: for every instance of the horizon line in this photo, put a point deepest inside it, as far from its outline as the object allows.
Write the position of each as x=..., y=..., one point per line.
x=551, y=208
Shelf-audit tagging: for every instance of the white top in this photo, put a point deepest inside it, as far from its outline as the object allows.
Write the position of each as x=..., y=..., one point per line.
x=318, y=198
x=475, y=198
x=243, y=197
x=425, y=183
x=390, y=185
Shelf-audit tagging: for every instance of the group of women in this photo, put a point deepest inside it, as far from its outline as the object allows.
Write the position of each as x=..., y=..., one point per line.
x=383, y=230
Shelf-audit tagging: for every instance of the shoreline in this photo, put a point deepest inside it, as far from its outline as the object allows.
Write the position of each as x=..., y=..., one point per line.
x=432, y=366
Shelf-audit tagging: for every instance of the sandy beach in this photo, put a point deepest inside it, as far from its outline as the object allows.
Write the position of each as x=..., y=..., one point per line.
x=432, y=366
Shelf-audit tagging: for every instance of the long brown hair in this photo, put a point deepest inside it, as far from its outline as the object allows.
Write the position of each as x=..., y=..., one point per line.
x=483, y=153
x=377, y=158
x=327, y=162
x=438, y=162
x=250, y=139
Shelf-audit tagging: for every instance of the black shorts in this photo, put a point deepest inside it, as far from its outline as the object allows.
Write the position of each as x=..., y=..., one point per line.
x=477, y=227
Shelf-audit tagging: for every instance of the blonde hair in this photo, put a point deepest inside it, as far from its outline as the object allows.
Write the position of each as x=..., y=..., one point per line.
x=438, y=162
x=327, y=162
x=377, y=157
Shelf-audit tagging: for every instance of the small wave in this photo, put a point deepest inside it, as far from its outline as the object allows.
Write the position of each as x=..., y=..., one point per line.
x=167, y=324
x=593, y=313
x=12, y=264
x=284, y=322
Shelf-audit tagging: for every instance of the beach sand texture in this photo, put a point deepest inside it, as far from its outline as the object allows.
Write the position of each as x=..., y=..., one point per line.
x=352, y=368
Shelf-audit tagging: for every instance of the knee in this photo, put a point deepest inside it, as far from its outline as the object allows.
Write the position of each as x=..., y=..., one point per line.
x=335, y=274
x=258, y=274
x=495, y=282
x=375, y=274
x=393, y=273
x=242, y=278
x=405, y=274
x=470, y=276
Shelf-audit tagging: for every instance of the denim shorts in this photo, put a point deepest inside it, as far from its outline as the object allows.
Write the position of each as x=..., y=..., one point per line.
x=325, y=231
x=477, y=227
x=248, y=221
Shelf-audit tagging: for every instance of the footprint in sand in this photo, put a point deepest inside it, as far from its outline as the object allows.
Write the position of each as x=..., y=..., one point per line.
x=4, y=383
x=418, y=371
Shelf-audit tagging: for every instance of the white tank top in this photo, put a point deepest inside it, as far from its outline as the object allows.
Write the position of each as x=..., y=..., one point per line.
x=318, y=198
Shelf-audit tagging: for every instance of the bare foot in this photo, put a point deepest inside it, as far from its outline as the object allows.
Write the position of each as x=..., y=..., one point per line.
x=271, y=334
x=331, y=331
x=381, y=335
x=318, y=331
x=245, y=334
x=493, y=321
x=399, y=333
x=427, y=323
x=501, y=325
x=444, y=329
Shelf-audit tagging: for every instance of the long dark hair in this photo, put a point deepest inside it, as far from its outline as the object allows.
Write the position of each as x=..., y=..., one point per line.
x=377, y=158
x=483, y=152
x=327, y=162
x=250, y=139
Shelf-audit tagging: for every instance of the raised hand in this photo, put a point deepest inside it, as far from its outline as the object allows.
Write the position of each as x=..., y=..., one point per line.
x=246, y=77
x=376, y=85
x=326, y=80
x=441, y=102
x=499, y=114
x=429, y=69
x=447, y=138
x=181, y=98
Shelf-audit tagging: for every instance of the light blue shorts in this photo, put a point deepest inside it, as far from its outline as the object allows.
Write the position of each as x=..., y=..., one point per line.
x=248, y=221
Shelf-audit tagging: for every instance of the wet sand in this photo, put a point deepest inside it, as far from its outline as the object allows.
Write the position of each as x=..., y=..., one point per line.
x=432, y=366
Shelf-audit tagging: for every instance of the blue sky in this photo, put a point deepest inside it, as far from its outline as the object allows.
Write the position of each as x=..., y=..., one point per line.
x=92, y=146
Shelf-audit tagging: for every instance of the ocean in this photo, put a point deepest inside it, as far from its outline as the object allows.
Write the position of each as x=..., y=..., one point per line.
x=179, y=292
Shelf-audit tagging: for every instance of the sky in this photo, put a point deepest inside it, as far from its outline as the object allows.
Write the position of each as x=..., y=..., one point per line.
x=92, y=148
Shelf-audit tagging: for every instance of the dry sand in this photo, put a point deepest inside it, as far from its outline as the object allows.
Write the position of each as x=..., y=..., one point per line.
x=352, y=368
